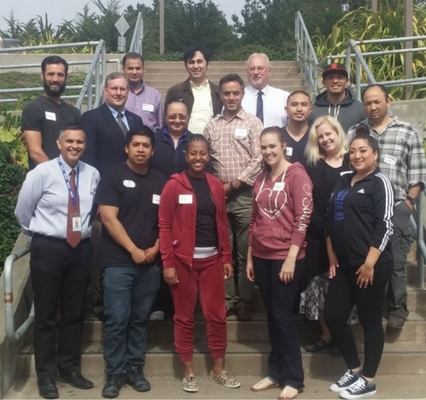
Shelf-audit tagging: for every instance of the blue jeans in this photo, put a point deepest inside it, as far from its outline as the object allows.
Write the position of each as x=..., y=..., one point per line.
x=129, y=293
x=285, y=359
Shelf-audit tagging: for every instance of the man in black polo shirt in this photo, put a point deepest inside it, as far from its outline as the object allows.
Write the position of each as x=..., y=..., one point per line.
x=128, y=197
x=43, y=118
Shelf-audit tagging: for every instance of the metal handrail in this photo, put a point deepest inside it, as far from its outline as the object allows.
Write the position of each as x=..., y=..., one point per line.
x=305, y=54
x=49, y=47
x=136, y=43
x=417, y=228
x=96, y=73
x=353, y=52
x=11, y=334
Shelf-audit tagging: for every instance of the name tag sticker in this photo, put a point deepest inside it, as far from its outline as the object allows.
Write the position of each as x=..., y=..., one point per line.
x=185, y=199
x=148, y=107
x=278, y=186
x=241, y=133
x=289, y=151
x=391, y=160
x=155, y=199
x=129, y=184
x=50, y=116
x=76, y=223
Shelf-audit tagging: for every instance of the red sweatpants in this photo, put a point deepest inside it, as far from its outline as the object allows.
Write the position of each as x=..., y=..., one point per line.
x=206, y=277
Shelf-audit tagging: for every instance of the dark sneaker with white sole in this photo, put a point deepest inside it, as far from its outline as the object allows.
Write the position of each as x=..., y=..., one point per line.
x=359, y=389
x=345, y=381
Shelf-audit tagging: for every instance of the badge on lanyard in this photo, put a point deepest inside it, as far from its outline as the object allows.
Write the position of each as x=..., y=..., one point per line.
x=76, y=223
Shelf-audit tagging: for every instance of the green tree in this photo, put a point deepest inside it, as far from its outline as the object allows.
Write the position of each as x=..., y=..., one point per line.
x=187, y=23
x=364, y=24
x=272, y=21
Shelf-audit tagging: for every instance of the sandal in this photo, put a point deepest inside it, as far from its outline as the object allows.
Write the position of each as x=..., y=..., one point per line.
x=319, y=345
x=285, y=394
x=265, y=384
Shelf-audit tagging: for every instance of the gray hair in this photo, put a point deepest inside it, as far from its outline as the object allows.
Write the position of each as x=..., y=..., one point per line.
x=70, y=127
x=114, y=75
x=268, y=63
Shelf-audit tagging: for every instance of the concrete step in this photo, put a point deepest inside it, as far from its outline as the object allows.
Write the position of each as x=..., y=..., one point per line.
x=215, y=76
x=217, y=64
x=248, y=359
x=388, y=387
x=256, y=331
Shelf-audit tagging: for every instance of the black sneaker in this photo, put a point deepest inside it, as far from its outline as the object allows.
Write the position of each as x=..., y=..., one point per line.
x=112, y=386
x=359, y=389
x=345, y=381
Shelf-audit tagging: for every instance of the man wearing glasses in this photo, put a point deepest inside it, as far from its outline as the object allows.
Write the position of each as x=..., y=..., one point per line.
x=266, y=102
x=43, y=117
x=107, y=125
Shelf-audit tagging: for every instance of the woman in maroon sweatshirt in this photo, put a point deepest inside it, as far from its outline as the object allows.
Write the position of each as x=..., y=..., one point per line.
x=282, y=207
x=196, y=254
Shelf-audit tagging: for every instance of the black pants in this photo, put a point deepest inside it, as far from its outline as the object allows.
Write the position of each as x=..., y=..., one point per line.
x=342, y=294
x=285, y=359
x=60, y=274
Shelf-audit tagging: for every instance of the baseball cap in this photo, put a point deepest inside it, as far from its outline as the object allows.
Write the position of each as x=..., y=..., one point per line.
x=335, y=69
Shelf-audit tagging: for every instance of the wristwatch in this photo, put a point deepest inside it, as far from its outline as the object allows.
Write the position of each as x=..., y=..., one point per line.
x=231, y=185
x=412, y=200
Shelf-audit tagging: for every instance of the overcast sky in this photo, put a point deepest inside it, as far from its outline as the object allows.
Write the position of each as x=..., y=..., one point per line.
x=59, y=10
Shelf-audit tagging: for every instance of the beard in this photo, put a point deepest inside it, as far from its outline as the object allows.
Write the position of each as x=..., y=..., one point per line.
x=54, y=93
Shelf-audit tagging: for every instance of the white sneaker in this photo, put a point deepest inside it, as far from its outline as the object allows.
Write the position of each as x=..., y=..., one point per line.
x=360, y=389
x=157, y=316
x=345, y=381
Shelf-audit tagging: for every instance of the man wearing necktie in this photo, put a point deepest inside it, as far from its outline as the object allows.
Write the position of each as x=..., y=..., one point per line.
x=55, y=208
x=260, y=99
x=106, y=128
x=107, y=125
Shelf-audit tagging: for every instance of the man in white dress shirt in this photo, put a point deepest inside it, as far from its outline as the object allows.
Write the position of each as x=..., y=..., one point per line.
x=55, y=208
x=266, y=102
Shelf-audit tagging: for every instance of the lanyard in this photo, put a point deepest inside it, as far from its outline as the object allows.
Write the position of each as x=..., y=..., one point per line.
x=73, y=195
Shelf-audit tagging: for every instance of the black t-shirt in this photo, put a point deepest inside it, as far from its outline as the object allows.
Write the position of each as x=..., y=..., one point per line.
x=48, y=117
x=295, y=151
x=137, y=198
x=205, y=228
x=338, y=236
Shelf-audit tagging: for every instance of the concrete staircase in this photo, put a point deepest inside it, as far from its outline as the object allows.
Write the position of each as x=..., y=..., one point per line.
x=164, y=74
x=401, y=374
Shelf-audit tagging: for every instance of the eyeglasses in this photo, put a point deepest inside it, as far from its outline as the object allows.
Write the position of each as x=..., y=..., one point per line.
x=174, y=117
x=259, y=69
x=117, y=89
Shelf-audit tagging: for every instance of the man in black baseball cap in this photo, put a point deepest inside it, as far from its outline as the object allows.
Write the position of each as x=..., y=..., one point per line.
x=336, y=100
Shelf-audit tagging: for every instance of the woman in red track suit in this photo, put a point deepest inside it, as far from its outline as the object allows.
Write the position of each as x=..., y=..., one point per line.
x=196, y=254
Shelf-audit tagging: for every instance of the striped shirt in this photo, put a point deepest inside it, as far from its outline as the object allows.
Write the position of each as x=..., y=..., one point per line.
x=147, y=104
x=402, y=157
x=235, y=147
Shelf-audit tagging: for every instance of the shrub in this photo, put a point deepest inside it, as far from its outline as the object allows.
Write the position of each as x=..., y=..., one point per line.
x=11, y=178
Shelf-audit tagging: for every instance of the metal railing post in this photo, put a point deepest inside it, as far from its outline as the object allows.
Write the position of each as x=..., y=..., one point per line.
x=421, y=259
x=8, y=298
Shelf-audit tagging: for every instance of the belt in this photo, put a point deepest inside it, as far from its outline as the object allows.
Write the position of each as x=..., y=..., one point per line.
x=55, y=239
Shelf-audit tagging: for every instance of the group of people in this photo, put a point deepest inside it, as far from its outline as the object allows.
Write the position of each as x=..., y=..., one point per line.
x=233, y=186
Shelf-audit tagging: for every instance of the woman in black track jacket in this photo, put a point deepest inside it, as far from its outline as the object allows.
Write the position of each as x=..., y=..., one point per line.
x=358, y=228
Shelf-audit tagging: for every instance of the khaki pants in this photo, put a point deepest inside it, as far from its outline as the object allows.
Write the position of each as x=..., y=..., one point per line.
x=239, y=206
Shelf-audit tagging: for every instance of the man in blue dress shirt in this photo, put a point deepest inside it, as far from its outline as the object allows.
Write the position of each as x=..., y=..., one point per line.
x=55, y=208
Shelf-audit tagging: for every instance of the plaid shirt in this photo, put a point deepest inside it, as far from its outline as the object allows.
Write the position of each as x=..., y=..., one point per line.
x=235, y=147
x=147, y=104
x=402, y=157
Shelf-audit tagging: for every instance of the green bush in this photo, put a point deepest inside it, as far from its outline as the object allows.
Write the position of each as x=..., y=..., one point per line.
x=11, y=178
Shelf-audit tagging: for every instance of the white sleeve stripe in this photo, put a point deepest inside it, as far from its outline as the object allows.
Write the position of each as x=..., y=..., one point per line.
x=388, y=210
